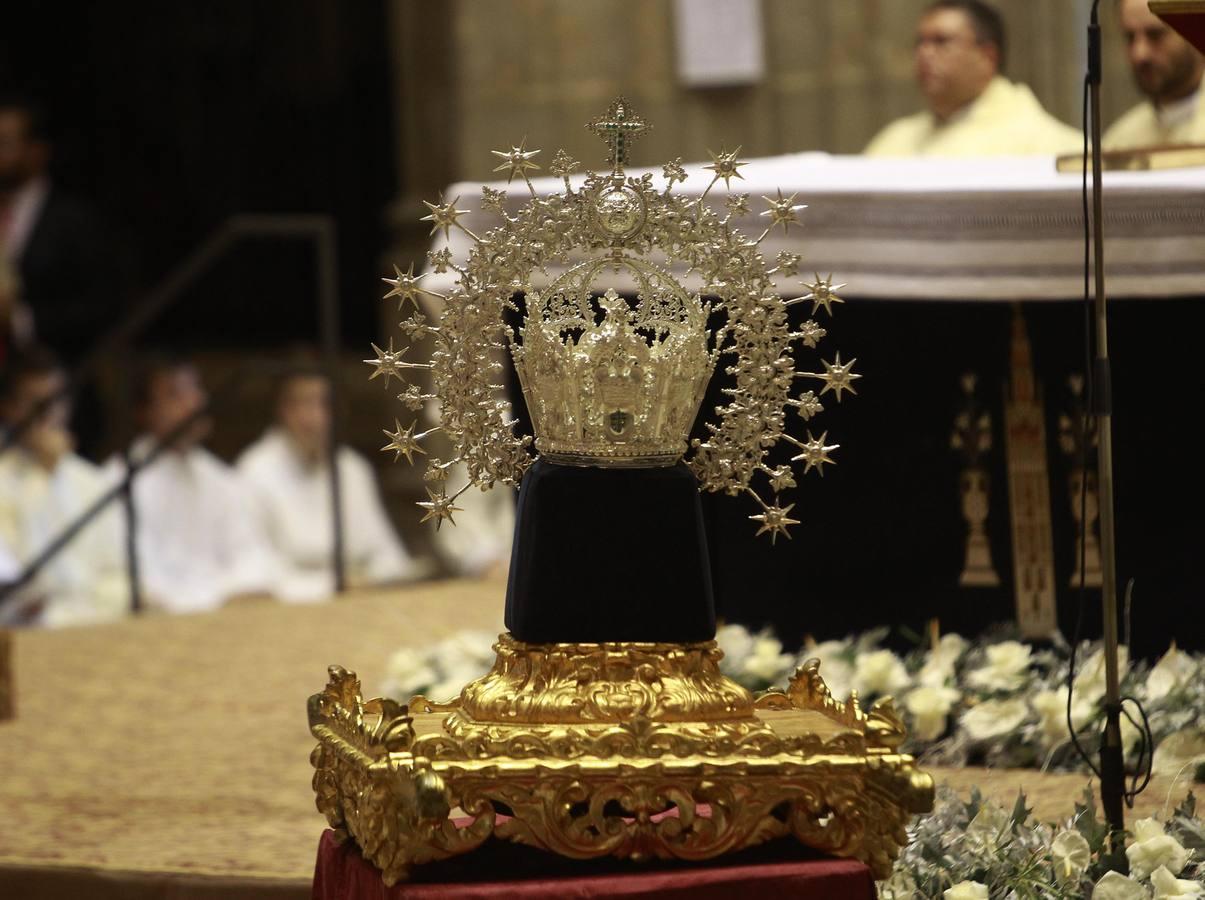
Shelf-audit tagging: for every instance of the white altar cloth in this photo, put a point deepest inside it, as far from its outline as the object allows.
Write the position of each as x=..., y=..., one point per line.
x=935, y=229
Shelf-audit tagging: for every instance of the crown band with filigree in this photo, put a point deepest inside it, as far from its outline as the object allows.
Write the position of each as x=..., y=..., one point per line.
x=611, y=381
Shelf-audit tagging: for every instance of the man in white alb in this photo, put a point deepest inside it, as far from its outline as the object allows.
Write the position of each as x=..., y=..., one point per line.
x=1169, y=72
x=199, y=542
x=972, y=109
x=287, y=472
x=44, y=488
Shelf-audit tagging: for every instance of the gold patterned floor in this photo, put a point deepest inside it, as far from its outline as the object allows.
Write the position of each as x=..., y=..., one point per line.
x=119, y=760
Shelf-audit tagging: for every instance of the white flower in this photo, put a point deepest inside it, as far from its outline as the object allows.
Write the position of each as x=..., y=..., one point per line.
x=1152, y=848
x=1179, y=752
x=1071, y=854
x=966, y=890
x=1090, y=680
x=407, y=672
x=1115, y=886
x=992, y=718
x=1007, y=664
x=465, y=648
x=835, y=669
x=900, y=886
x=939, y=662
x=879, y=672
x=737, y=643
x=929, y=707
x=1173, y=669
x=1168, y=885
x=1051, y=707
x=767, y=661
x=990, y=825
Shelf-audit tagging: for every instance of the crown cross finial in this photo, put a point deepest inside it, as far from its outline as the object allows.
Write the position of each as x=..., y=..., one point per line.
x=619, y=126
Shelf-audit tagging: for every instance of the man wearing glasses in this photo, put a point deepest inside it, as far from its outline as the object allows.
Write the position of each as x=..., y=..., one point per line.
x=973, y=110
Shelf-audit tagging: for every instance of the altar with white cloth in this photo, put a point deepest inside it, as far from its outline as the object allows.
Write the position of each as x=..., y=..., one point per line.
x=936, y=255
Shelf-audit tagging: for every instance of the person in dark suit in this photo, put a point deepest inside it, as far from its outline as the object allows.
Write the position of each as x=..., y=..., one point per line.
x=55, y=243
x=68, y=279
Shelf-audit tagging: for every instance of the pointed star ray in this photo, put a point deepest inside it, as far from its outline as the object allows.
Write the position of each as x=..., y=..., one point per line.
x=775, y=520
x=725, y=166
x=815, y=453
x=822, y=292
x=403, y=442
x=838, y=377
x=438, y=507
x=517, y=161
x=389, y=363
x=443, y=216
x=783, y=210
x=405, y=286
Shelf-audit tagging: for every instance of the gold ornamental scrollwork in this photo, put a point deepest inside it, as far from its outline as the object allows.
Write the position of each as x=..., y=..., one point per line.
x=701, y=770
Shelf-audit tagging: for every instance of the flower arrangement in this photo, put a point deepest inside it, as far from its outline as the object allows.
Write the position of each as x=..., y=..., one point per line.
x=976, y=850
x=995, y=701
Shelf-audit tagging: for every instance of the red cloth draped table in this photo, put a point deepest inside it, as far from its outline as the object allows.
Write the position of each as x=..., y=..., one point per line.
x=500, y=871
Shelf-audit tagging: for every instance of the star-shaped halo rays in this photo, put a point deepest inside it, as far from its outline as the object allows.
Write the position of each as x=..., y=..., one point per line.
x=822, y=292
x=439, y=507
x=725, y=166
x=776, y=520
x=516, y=161
x=837, y=377
x=405, y=286
x=815, y=453
x=443, y=215
x=403, y=442
x=783, y=210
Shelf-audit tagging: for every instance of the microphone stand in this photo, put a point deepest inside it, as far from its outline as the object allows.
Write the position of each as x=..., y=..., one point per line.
x=1112, y=766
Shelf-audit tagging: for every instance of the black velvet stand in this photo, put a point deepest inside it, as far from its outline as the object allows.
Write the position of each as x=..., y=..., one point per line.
x=609, y=555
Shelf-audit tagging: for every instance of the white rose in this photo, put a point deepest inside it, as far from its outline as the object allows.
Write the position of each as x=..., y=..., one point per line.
x=1173, y=669
x=1007, y=663
x=1115, y=886
x=1182, y=751
x=940, y=662
x=900, y=886
x=1090, y=680
x=929, y=707
x=767, y=661
x=1168, y=885
x=1071, y=854
x=1153, y=847
x=407, y=672
x=992, y=718
x=990, y=825
x=737, y=643
x=468, y=647
x=879, y=672
x=966, y=890
x=1051, y=707
x=835, y=669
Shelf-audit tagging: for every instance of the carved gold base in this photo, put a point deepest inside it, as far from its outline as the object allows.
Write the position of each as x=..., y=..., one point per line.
x=631, y=750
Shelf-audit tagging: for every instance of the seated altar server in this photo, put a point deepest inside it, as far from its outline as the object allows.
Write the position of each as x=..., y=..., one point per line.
x=287, y=474
x=1169, y=71
x=973, y=110
x=199, y=542
x=44, y=487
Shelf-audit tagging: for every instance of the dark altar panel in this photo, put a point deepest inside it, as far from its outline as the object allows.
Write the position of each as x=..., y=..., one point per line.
x=882, y=534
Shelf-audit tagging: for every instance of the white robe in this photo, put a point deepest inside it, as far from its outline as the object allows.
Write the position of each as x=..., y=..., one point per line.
x=199, y=542
x=293, y=503
x=87, y=581
x=1005, y=120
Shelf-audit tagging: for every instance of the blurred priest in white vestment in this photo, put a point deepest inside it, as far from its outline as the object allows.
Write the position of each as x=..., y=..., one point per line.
x=973, y=110
x=1169, y=72
x=199, y=541
x=287, y=474
x=44, y=487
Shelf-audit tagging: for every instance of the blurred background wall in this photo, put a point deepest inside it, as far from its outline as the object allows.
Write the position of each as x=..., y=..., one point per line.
x=170, y=117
